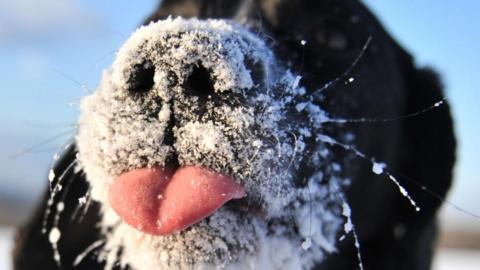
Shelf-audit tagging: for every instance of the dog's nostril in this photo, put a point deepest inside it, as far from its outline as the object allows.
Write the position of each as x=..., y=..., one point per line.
x=199, y=83
x=141, y=78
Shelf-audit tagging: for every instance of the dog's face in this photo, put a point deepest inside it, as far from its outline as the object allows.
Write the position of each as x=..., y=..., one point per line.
x=214, y=143
x=203, y=109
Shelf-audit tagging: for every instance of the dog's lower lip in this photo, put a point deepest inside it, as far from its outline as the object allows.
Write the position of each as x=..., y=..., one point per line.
x=164, y=200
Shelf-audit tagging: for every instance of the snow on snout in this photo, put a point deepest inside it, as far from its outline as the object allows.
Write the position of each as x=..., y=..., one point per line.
x=120, y=130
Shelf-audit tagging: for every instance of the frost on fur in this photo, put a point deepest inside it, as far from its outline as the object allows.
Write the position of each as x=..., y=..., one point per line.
x=255, y=125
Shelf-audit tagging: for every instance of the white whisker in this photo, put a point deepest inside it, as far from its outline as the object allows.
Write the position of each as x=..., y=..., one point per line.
x=380, y=120
x=349, y=69
x=42, y=143
x=55, y=189
x=84, y=87
x=348, y=225
x=89, y=249
x=378, y=168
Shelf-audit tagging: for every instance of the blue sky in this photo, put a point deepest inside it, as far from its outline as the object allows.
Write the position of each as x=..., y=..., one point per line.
x=49, y=50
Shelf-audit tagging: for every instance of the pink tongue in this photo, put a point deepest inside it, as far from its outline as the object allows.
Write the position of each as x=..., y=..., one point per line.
x=162, y=201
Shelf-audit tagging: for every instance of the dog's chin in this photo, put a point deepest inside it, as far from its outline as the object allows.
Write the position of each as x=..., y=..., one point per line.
x=225, y=240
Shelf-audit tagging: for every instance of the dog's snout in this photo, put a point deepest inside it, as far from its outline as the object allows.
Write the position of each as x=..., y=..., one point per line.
x=199, y=83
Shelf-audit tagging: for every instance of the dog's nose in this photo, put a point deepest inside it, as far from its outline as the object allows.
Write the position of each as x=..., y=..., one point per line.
x=205, y=59
x=199, y=83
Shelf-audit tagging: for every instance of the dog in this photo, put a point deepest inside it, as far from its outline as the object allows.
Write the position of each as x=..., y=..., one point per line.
x=292, y=119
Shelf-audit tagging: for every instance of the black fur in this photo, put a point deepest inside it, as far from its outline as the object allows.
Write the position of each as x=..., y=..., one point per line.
x=387, y=83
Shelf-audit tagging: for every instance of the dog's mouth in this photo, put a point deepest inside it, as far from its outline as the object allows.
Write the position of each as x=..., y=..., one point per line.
x=164, y=200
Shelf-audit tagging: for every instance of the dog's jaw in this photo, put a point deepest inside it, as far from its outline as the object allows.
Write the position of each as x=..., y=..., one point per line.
x=119, y=132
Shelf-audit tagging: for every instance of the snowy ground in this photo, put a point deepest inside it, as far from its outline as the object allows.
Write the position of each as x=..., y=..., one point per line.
x=6, y=234
x=447, y=259
x=450, y=259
